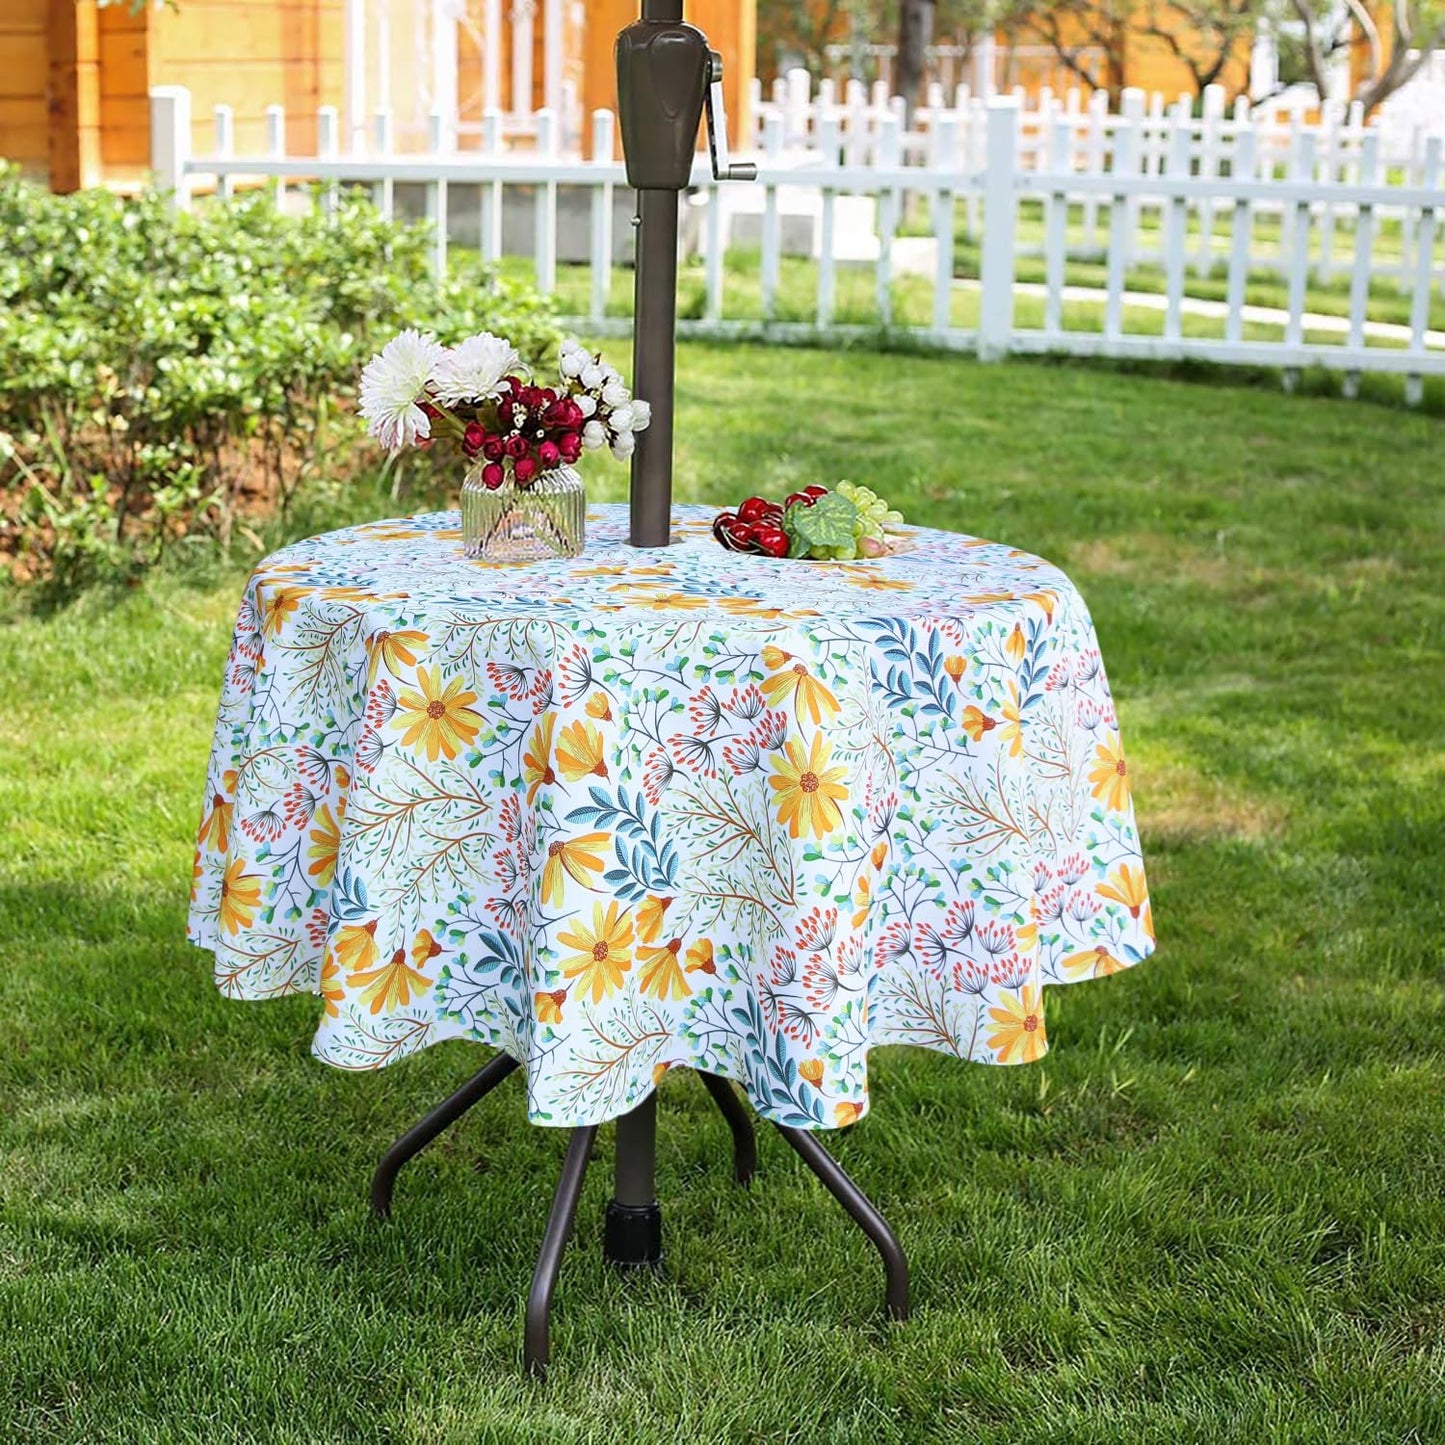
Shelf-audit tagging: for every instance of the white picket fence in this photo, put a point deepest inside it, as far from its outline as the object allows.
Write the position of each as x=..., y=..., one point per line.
x=1125, y=210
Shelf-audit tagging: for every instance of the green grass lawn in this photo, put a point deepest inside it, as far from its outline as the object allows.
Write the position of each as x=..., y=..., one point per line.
x=1216, y=1211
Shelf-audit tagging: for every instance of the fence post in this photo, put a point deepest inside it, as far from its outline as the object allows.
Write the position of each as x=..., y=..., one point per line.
x=171, y=142
x=996, y=269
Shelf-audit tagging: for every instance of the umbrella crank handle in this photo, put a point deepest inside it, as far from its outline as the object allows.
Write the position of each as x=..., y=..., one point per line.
x=717, y=128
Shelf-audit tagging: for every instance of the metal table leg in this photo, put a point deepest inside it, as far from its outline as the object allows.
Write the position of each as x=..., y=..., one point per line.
x=537, y=1348
x=863, y=1210
x=745, y=1146
x=442, y=1117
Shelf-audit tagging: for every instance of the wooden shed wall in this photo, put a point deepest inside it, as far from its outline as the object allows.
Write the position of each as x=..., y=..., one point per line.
x=24, y=74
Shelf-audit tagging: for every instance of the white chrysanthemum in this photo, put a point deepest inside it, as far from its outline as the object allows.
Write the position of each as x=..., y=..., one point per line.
x=641, y=414
x=394, y=384
x=615, y=394
x=594, y=435
x=473, y=370
x=621, y=421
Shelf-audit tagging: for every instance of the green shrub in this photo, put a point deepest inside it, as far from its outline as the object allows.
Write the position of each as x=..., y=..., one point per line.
x=163, y=376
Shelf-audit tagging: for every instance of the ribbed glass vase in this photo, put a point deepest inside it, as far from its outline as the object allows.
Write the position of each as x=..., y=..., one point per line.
x=524, y=524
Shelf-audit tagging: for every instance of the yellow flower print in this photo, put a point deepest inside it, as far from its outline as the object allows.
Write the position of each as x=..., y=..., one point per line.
x=1109, y=776
x=699, y=957
x=808, y=790
x=1047, y=600
x=775, y=657
x=812, y=1071
x=1019, y=1037
x=393, y=651
x=240, y=897
x=216, y=825
x=649, y=917
x=580, y=752
x=658, y=1070
x=862, y=897
x=976, y=723
x=325, y=844
x=279, y=606
x=441, y=719
x=1095, y=962
x=797, y=681
x=1013, y=728
x=847, y=1113
x=1126, y=886
x=955, y=665
x=548, y=1006
x=391, y=986
x=577, y=858
x=599, y=707
x=333, y=989
x=1015, y=645
x=872, y=581
x=661, y=975
x=666, y=601
x=603, y=952
x=355, y=945
x=537, y=760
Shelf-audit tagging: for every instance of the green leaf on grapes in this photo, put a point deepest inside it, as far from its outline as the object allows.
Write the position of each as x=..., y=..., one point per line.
x=827, y=523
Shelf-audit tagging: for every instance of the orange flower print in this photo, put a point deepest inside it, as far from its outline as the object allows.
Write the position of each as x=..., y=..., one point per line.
x=955, y=666
x=279, y=607
x=812, y=1071
x=1019, y=1035
x=355, y=945
x=393, y=651
x=661, y=975
x=649, y=917
x=599, y=707
x=440, y=719
x=807, y=790
x=325, y=844
x=1095, y=962
x=580, y=752
x=862, y=897
x=240, y=897
x=332, y=987
x=1109, y=776
x=577, y=858
x=775, y=657
x=603, y=952
x=1016, y=645
x=1126, y=886
x=797, y=682
x=699, y=957
x=1013, y=728
x=548, y=1006
x=391, y=986
x=215, y=832
x=847, y=1113
x=537, y=760
x=658, y=1070
x=976, y=723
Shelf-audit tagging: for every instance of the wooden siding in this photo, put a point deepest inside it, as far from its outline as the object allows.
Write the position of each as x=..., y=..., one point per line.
x=24, y=66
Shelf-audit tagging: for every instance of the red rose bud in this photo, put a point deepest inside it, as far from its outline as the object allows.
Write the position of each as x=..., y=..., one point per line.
x=494, y=448
x=524, y=470
x=570, y=445
x=549, y=395
x=549, y=454
x=512, y=383
x=531, y=398
x=473, y=438
x=493, y=476
x=516, y=447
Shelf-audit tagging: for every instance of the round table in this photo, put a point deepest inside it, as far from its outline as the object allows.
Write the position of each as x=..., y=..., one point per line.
x=682, y=806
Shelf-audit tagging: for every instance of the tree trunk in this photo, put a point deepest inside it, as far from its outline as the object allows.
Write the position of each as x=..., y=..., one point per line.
x=915, y=34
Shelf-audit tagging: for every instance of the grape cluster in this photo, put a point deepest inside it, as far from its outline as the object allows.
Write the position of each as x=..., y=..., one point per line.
x=874, y=516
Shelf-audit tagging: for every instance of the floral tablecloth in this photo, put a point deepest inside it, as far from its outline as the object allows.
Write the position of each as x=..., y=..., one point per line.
x=683, y=806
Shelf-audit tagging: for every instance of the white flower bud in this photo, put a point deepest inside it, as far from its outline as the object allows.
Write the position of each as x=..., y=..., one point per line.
x=585, y=404
x=624, y=446
x=621, y=420
x=573, y=363
x=594, y=435
x=615, y=394
x=592, y=376
x=641, y=414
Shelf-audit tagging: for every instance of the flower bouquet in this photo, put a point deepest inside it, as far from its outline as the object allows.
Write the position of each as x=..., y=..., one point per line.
x=521, y=497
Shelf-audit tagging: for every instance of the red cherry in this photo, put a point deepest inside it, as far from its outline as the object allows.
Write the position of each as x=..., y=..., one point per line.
x=739, y=534
x=719, y=524
x=772, y=540
x=754, y=509
x=805, y=498
x=815, y=491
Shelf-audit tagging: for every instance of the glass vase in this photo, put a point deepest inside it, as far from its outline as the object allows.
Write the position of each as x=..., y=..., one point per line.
x=524, y=524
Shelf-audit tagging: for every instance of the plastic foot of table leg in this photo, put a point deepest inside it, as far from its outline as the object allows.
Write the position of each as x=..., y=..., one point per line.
x=442, y=1117
x=632, y=1235
x=537, y=1348
x=745, y=1144
x=863, y=1211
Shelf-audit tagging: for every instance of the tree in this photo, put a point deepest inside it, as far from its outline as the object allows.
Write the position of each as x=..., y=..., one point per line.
x=915, y=35
x=1089, y=37
x=1416, y=26
x=1202, y=34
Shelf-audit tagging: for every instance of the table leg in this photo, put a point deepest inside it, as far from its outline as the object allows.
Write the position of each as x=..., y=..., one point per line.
x=442, y=1117
x=863, y=1210
x=745, y=1147
x=537, y=1348
x=632, y=1235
